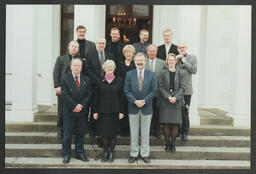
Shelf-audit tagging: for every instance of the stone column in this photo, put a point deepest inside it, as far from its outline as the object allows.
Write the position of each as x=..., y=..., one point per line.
x=21, y=41
x=93, y=17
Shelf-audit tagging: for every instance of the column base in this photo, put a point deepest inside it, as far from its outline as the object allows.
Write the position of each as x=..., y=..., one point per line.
x=241, y=120
x=21, y=115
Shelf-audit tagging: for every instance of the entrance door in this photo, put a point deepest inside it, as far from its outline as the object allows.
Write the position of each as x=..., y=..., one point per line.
x=130, y=19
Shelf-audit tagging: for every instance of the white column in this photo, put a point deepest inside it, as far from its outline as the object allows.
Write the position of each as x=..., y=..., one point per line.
x=93, y=17
x=241, y=86
x=160, y=22
x=47, y=22
x=20, y=39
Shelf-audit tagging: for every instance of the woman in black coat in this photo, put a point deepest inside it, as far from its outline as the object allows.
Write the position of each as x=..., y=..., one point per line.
x=108, y=109
x=126, y=66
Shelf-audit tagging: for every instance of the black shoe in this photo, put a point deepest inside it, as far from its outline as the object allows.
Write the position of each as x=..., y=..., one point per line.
x=184, y=137
x=66, y=160
x=172, y=147
x=110, y=157
x=157, y=135
x=105, y=157
x=146, y=159
x=167, y=147
x=60, y=133
x=132, y=159
x=82, y=157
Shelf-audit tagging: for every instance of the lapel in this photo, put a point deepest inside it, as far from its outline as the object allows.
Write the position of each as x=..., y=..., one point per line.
x=67, y=60
x=147, y=64
x=134, y=74
x=86, y=49
x=82, y=83
x=176, y=80
x=157, y=65
x=73, y=84
x=144, y=78
x=167, y=78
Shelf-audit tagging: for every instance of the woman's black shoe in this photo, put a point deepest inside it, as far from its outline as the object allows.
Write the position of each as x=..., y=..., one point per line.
x=110, y=157
x=167, y=147
x=105, y=157
x=172, y=147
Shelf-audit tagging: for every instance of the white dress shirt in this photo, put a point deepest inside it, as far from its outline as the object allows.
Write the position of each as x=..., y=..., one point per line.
x=167, y=48
x=75, y=77
x=154, y=64
x=142, y=73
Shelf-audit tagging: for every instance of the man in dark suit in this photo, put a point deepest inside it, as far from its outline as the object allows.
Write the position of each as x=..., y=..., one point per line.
x=115, y=47
x=62, y=67
x=95, y=59
x=156, y=65
x=188, y=63
x=76, y=95
x=140, y=88
x=142, y=45
x=167, y=47
x=84, y=45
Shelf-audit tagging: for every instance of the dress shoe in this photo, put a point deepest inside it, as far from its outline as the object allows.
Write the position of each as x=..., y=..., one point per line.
x=132, y=159
x=110, y=157
x=66, y=160
x=82, y=157
x=167, y=147
x=184, y=137
x=146, y=159
x=105, y=157
x=172, y=147
x=60, y=133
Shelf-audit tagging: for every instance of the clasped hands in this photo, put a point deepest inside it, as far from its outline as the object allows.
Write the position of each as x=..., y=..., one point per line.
x=182, y=57
x=96, y=116
x=78, y=108
x=172, y=99
x=139, y=103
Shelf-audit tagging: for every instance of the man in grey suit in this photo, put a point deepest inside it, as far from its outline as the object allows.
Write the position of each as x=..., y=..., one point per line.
x=156, y=65
x=140, y=88
x=61, y=68
x=84, y=45
x=142, y=45
x=188, y=63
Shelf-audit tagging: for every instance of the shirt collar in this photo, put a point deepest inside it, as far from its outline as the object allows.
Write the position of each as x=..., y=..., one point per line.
x=75, y=76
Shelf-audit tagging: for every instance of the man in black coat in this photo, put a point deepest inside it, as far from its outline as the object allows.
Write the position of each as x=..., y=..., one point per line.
x=95, y=59
x=76, y=95
x=167, y=47
x=115, y=47
x=62, y=67
x=84, y=45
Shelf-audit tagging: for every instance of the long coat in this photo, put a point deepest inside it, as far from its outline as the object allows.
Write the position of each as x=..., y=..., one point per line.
x=161, y=52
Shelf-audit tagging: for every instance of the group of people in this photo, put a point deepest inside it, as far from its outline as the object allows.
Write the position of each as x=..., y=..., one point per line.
x=125, y=89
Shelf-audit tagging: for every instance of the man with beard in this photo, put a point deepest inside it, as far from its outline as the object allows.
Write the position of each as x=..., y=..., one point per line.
x=140, y=88
x=142, y=45
x=60, y=69
x=84, y=46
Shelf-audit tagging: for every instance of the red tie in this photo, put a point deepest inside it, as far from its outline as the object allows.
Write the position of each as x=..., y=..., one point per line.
x=142, y=44
x=77, y=83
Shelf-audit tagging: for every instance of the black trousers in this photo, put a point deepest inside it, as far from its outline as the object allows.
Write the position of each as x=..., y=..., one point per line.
x=70, y=124
x=155, y=125
x=185, y=115
x=60, y=112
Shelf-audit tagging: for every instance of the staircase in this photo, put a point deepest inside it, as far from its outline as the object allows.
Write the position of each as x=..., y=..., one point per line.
x=215, y=144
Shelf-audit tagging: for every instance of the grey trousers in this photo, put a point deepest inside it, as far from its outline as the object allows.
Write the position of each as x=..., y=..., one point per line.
x=143, y=122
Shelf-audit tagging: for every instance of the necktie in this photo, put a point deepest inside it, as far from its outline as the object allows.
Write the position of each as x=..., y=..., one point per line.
x=101, y=58
x=151, y=65
x=77, y=83
x=142, y=44
x=140, y=80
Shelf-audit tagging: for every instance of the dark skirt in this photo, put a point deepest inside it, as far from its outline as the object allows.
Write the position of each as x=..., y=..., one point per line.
x=108, y=125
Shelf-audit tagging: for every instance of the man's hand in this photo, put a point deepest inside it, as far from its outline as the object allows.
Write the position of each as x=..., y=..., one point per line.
x=183, y=59
x=172, y=99
x=95, y=116
x=120, y=116
x=78, y=108
x=139, y=103
x=58, y=90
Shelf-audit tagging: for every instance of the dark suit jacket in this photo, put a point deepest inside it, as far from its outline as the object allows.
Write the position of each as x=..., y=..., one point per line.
x=164, y=87
x=109, y=98
x=138, y=47
x=72, y=97
x=161, y=53
x=89, y=45
x=120, y=57
x=93, y=65
x=61, y=68
x=131, y=90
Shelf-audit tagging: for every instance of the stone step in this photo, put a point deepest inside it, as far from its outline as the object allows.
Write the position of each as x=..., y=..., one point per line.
x=46, y=117
x=123, y=151
x=202, y=141
x=123, y=164
x=203, y=130
x=214, y=117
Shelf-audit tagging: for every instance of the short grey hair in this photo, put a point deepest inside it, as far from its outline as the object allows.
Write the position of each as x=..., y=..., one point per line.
x=182, y=43
x=140, y=54
x=150, y=46
x=109, y=63
x=76, y=58
x=100, y=38
x=168, y=30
